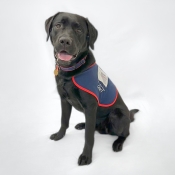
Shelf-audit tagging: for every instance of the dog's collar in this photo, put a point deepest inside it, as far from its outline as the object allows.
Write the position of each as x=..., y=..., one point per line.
x=72, y=68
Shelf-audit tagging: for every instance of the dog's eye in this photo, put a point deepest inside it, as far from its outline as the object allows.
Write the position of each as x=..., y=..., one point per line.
x=58, y=26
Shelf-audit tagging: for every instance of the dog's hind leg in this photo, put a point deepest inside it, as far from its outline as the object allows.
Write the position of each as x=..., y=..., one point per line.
x=119, y=123
x=118, y=144
x=80, y=126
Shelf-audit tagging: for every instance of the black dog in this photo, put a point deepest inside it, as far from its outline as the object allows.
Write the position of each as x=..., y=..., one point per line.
x=76, y=71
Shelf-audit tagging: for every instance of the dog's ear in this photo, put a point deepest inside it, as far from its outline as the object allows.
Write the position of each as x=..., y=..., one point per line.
x=48, y=24
x=92, y=33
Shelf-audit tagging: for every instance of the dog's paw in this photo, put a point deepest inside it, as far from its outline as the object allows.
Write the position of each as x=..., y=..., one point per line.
x=80, y=126
x=84, y=160
x=118, y=144
x=117, y=147
x=57, y=136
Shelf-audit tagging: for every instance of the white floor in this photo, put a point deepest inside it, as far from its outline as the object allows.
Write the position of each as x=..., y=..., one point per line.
x=135, y=47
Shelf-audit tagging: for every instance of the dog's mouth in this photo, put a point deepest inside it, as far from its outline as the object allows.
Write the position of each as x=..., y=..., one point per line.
x=65, y=56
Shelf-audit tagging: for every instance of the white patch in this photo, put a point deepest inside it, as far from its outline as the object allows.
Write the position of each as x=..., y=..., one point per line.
x=102, y=77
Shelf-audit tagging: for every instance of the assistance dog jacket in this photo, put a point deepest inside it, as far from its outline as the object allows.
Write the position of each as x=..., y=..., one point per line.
x=95, y=82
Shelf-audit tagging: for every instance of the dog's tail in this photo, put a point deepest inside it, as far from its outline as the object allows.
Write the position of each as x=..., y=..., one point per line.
x=132, y=112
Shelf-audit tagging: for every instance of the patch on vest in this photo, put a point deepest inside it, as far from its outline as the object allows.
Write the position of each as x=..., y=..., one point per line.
x=102, y=77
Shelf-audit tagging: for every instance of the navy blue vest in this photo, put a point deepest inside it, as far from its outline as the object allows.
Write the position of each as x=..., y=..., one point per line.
x=95, y=82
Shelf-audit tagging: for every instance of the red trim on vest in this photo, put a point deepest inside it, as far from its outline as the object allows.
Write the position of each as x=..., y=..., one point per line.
x=92, y=65
x=88, y=91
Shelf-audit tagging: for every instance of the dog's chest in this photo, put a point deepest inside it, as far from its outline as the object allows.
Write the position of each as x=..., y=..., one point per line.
x=68, y=91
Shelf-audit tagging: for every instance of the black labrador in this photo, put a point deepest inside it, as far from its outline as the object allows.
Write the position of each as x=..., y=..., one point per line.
x=71, y=36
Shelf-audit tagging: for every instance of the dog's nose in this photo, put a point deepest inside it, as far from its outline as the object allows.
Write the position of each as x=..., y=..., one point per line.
x=65, y=41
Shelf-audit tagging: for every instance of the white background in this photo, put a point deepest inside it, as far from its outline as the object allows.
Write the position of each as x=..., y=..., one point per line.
x=135, y=47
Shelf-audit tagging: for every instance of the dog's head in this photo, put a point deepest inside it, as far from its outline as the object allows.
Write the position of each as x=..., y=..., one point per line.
x=71, y=35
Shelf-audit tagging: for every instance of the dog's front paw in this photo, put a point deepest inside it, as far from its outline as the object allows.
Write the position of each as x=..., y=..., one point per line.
x=84, y=160
x=57, y=136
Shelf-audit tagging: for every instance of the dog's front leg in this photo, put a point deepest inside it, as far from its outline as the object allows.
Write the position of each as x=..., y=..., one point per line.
x=90, y=115
x=66, y=112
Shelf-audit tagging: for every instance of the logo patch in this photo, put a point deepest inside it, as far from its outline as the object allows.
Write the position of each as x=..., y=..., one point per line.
x=102, y=77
